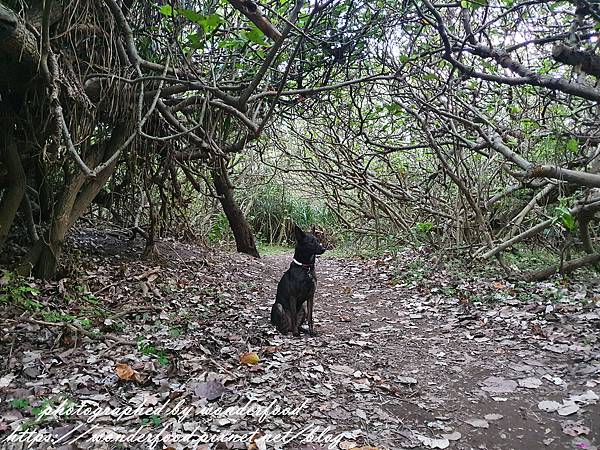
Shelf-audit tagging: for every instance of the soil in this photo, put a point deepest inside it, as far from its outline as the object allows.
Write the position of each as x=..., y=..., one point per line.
x=408, y=354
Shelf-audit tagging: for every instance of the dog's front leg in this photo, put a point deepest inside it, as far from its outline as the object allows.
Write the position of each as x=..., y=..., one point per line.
x=302, y=315
x=309, y=303
x=293, y=311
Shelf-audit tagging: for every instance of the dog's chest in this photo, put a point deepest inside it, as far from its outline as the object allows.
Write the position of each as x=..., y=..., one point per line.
x=308, y=282
x=300, y=282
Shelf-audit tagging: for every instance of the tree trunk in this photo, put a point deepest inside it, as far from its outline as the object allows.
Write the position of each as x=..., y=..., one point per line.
x=74, y=201
x=29, y=220
x=41, y=183
x=150, y=251
x=564, y=268
x=244, y=238
x=16, y=182
x=584, y=232
x=42, y=259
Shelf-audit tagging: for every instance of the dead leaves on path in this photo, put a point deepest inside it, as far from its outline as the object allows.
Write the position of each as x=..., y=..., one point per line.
x=125, y=372
x=401, y=359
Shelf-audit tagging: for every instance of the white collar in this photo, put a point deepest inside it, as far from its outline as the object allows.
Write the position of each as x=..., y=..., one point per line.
x=300, y=264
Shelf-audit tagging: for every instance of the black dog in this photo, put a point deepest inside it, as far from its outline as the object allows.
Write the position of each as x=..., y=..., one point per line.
x=296, y=289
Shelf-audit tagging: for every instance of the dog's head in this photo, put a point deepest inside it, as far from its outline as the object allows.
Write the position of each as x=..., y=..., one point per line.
x=307, y=243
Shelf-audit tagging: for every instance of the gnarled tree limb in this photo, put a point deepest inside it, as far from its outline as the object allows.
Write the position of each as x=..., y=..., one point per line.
x=250, y=9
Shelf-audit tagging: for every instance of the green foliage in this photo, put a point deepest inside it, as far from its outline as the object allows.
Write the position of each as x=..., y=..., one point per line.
x=167, y=10
x=272, y=209
x=473, y=4
x=272, y=250
x=56, y=317
x=554, y=148
x=85, y=323
x=208, y=24
x=19, y=403
x=529, y=125
x=394, y=109
x=40, y=408
x=563, y=215
x=19, y=291
x=423, y=227
x=529, y=259
x=414, y=272
x=572, y=145
x=150, y=350
x=22, y=293
x=152, y=421
x=219, y=229
x=254, y=35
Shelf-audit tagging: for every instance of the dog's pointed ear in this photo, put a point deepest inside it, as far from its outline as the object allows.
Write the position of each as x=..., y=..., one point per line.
x=298, y=233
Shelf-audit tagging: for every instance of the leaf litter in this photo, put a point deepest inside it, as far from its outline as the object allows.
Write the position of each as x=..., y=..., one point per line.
x=401, y=361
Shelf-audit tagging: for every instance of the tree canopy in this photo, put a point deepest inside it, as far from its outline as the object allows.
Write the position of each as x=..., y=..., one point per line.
x=470, y=126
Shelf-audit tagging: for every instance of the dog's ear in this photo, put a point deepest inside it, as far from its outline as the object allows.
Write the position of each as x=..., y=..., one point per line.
x=298, y=233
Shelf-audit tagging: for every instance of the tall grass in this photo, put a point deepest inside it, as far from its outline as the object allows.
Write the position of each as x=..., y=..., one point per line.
x=271, y=211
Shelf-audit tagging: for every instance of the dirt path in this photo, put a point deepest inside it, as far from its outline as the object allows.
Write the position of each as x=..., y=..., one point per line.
x=407, y=356
x=404, y=362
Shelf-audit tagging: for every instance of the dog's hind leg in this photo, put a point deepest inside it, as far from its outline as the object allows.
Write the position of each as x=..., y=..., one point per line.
x=280, y=318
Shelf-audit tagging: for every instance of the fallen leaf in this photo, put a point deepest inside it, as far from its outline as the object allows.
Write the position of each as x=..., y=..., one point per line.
x=556, y=380
x=567, y=410
x=433, y=442
x=499, y=385
x=6, y=380
x=549, y=405
x=250, y=358
x=537, y=330
x=478, y=423
x=586, y=398
x=258, y=442
x=125, y=372
x=210, y=390
x=530, y=382
x=344, y=370
x=361, y=414
x=454, y=436
x=572, y=428
x=492, y=417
